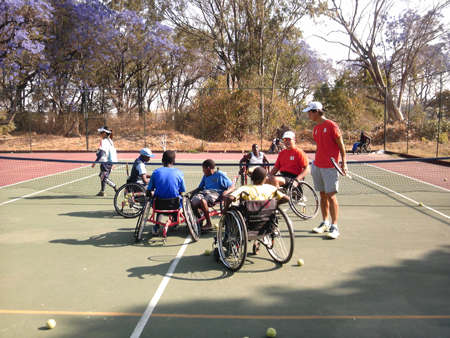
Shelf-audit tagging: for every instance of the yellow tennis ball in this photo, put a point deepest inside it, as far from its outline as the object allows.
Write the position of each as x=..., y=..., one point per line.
x=420, y=204
x=300, y=262
x=216, y=226
x=126, y=203
x=445, y=179
x=271, y=332
x=50, y=324
x=207, y=252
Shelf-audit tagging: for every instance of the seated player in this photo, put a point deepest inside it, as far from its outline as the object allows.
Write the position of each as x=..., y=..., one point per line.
x=292, y=163
x=258, y=191
x=166, y=182
x=138, y=171
x=213, y=185
x=362, y=140
x=255, y=156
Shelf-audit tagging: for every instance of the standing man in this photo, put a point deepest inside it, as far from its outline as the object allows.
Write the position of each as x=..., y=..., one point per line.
x=329, y=142
x=292, y=163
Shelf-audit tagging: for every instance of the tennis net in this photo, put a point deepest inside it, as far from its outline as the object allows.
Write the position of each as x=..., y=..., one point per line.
x=368, y=177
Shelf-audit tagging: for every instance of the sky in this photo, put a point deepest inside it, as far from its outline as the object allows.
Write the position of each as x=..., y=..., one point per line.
x=336, y=51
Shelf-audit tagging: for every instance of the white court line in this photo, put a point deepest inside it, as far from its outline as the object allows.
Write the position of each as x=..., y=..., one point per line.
x=151, y=306
x=396, y=193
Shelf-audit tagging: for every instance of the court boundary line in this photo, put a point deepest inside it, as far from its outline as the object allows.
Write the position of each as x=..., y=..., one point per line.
x=154, y=301
x=199, y=316
x=396, y=193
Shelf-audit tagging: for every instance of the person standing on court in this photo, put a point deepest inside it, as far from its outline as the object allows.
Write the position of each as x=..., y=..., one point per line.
x=106, y=154
x=292, y=163
x=328, y=138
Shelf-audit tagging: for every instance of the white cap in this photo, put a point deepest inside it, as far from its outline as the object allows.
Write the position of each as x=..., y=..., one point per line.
x=313, y=106
x=102, y=129
x=146, y=152
x=289, y=134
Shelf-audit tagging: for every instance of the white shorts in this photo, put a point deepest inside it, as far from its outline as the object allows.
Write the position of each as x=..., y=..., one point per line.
x=325, y=179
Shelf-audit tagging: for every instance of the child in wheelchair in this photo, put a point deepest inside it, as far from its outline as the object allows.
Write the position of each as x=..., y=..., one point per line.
x=255, y=156
x=166, y=183
x=268, y=196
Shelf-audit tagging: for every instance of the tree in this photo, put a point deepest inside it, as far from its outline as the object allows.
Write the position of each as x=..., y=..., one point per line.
x=387, y=48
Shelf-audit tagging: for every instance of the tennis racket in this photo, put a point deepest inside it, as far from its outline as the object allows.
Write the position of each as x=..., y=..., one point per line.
x=339, y=169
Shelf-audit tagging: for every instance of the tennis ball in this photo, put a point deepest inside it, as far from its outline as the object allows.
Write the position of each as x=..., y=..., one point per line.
x=271, y=332
x=216, y=226
x=50, y=324
x=207, y=252
x=445, y=179
x=126, y=203
x=300, y=262
x=420, y=204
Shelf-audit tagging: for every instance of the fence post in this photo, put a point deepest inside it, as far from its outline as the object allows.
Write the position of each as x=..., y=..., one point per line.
x=385, y=112
x=201, y=112
x=86, y=117
x=439, y=115
x=409, y=109
x=262, y=116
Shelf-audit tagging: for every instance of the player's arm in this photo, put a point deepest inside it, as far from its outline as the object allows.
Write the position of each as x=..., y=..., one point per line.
x=273, y=171
x=341, y=147
x=265, y=160
x=305, y=171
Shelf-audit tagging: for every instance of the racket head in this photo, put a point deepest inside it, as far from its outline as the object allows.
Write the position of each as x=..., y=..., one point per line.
x=336, y=165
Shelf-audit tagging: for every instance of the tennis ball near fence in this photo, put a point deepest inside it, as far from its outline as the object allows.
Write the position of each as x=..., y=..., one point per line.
x=420, y=204
x=445, y=179
x=207, y=252
x=50, y=324
x=271, y=332
x=300, y=262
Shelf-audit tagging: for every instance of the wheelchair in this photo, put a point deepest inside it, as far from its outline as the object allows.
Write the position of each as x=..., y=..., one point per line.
x=168, y=207
x=259, y=221
x=245, y=172
x=364, y=148
x=303, y=199
x=129, y=200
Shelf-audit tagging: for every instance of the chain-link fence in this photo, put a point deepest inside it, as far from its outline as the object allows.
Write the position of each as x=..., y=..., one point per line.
x=139, y=116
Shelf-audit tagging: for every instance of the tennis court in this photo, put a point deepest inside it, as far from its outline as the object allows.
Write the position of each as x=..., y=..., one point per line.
x=67, y=255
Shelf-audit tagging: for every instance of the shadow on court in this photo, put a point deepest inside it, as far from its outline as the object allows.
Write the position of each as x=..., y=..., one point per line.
x=412, y=288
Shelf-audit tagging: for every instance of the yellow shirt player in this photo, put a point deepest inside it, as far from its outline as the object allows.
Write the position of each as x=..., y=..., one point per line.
x=258, y=191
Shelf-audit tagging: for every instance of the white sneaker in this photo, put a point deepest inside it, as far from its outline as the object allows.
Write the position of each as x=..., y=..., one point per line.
x=323, y=227
x=334, y=232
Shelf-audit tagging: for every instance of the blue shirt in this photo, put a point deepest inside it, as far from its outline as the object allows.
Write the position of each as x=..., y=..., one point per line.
x=167, y=182
x=218, y=182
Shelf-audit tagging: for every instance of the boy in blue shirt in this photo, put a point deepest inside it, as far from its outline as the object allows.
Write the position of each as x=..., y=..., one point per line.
x=213, y=184
x=166, y=182
x=138, y=172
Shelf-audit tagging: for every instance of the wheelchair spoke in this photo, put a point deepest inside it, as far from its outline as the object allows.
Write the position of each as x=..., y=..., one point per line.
x=129, y=199
x=282, y=239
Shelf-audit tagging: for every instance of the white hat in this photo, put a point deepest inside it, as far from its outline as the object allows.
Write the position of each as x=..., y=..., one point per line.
x=146, y=152
x=313, y=106
x=102, y=129
x=289, y=134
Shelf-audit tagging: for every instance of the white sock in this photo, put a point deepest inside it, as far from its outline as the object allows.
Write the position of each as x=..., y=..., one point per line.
x=327, y=223
x=335, y=225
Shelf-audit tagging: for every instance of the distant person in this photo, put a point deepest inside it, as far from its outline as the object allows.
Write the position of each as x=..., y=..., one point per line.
x=329, y=142
x=165, y=183
x=213, y=185
x=106, y=154
x=255, y=156
x=257, y=191
x=363, y=139
x=138, y=172
x=292, y=163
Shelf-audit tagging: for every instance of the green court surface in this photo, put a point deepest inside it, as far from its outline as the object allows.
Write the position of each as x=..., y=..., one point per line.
x=74, y=259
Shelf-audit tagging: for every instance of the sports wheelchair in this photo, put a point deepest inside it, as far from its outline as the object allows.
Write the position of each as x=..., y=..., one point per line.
x=364, y=148
x=259, y=221
x=129, y=200
x=303, y=199
x=168, y=207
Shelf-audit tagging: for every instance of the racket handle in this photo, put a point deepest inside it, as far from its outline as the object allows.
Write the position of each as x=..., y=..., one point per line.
x=348, y=175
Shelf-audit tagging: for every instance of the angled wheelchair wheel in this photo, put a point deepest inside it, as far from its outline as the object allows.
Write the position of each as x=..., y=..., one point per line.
x=232, y=240
x=129, y=200
x=142, y=220
x=367, y=149
x=280, y=244
x=190, y=219
x=303, y=200
x=358, y=150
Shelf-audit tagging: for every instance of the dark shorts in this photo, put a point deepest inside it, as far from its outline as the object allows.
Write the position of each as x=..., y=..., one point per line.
x=288, y=177
x=210, y=196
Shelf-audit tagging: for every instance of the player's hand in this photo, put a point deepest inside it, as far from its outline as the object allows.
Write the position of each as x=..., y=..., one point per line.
x=113, y=167
x=344, y=167
x=93, y=165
